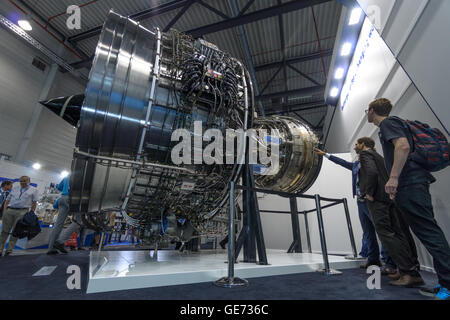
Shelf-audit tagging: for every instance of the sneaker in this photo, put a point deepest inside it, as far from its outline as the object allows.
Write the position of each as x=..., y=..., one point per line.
x=430, y=292
x=60, y=248
x=352, y=257
x=443, y=294
x=52, y=252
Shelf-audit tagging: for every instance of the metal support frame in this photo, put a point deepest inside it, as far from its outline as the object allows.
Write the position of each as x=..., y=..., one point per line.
x=231, y=281
x=255, y=16
x=246, y=7
x=308, y=235
x=241, y=19
x=39, y=46
x=350, y=229
x=251, y=236
x=323, y=242
x=291, y=61
x=293, y=201
x=304, y=75
x=300, y=107
x=299, y=92
x=303, y=119
x=179, y=15
x=296, y=245
x=248, y=55
x=271, y=80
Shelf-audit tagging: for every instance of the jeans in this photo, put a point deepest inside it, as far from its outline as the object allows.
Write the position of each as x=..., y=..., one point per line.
x=75, y=226
x=414, y=203
x=369, y=234
x=63, y=212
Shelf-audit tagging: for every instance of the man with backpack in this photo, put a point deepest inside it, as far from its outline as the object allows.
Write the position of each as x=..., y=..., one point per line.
x=409, y=182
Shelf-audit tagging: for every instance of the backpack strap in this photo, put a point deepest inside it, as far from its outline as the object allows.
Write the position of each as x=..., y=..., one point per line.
x=406, y=126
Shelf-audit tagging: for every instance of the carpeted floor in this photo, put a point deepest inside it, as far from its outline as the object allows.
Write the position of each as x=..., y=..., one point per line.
x=16, y=282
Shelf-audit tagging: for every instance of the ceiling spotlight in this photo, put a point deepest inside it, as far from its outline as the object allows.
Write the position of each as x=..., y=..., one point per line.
x=334, y=92
x=25, y=25
x=37, y=166
x=355, y=17
x=64, y=174
x=346, y=49
x=339, y=74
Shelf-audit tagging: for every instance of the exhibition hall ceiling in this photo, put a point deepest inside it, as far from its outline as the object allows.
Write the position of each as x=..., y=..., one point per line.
x=288, y=44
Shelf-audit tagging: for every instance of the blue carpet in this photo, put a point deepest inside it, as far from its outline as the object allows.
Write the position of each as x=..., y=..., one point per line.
x=16, y=282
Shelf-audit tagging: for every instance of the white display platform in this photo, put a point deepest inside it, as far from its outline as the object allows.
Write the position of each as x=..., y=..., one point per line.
x=125, y=270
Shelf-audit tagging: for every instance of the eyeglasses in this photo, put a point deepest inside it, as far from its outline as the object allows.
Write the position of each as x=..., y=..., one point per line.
x=367, y=111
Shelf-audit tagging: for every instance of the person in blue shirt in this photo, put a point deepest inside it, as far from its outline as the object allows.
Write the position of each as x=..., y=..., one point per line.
x=370, y=248
x=56, y=243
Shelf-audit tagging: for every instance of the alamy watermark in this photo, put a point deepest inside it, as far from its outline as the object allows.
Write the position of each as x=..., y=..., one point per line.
x=74, y=280
x=264, y=148
x=74, y=20
x=374, y=15
x=374, y=281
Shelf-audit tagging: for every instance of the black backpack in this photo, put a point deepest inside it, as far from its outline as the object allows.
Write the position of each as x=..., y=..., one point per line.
x=430, y=147
x=28, y=227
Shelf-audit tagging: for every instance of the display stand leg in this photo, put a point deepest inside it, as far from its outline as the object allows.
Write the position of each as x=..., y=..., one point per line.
x=308, y=235
x=326, y=270
x=251, y=236
x=296, y=245
x=100, y=246
x=231, y=281
x=350, y=229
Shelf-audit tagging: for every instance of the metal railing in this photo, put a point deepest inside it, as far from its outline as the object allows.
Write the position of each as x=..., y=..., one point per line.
x=296, y=245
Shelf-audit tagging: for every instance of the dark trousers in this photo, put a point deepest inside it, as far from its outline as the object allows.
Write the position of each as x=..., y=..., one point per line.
x=414, y=203
x=369, y=234
x=387, y=225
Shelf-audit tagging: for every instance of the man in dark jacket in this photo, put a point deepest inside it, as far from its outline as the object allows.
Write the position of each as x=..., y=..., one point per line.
x=388, y=223
x=370, y=242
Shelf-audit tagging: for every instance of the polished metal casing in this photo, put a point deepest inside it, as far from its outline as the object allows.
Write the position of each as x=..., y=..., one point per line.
x=111, y=118
x=122, y=161
x=299, y=165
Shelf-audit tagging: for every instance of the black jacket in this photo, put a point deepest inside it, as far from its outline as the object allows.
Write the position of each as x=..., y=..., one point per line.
x=373, y=176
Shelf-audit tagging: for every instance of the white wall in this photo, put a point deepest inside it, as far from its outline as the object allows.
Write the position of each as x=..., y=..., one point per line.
x=21, y=88
x=333, y=182
x=415, y=31
x=380, y=75
x=52, y=143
